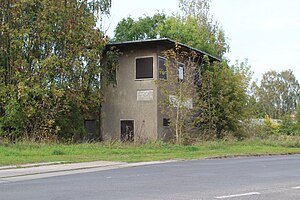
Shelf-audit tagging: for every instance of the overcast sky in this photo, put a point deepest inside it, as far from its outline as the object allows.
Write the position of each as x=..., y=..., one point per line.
x=267, y=32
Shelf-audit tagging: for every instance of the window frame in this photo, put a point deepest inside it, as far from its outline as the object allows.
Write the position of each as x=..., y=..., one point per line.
x=131, y=137
x=179, y=64
x=135, y=67
x=166, y=122
x=158, y=68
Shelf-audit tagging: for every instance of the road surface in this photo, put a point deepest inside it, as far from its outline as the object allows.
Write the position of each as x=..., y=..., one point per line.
x=273, y=178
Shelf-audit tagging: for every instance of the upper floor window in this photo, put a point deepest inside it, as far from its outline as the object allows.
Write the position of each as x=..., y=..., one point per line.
x=180, y=71
x=144, y=68
x=162, y=69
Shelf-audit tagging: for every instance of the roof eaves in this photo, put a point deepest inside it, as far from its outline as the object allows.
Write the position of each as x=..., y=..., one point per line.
x=164, y=39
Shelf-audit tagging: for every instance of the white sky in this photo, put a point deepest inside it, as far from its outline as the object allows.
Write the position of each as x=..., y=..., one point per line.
x=267, y=32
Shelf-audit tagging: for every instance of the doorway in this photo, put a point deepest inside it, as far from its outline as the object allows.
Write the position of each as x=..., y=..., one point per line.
x=127, y=130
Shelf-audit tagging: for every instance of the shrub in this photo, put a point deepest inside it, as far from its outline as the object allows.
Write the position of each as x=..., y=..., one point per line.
x=12, y=123
x=297, y=126
x=287, y=126
x=270, y=127
x=57, y=152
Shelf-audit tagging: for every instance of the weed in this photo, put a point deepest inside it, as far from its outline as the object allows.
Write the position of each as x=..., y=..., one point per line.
x=57, y=152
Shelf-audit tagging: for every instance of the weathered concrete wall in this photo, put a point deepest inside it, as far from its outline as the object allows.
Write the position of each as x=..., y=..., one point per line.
x=163, y=132
x=120, y=102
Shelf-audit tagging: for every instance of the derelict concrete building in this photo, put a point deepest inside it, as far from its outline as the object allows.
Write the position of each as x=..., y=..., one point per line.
x=130, y=111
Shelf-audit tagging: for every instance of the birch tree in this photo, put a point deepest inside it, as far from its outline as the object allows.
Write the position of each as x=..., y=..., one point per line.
x=178, y=91
x=278, y=93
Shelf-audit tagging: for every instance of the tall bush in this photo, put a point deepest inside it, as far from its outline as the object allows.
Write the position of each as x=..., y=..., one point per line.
x=50, y=64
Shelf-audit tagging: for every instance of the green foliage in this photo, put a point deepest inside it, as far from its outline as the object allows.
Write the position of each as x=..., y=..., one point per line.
x=218, y=93
x=57, y=152
x=50, y=66
x=12, y=124
x=177, y=95
x=111, y=66
x=277, y=94
x=287, y=126
x=223, y=103
x=298, y=119
x=24, y=152
x=144, y=28
x=194, y=27
x=270, y=127
x=188, y=30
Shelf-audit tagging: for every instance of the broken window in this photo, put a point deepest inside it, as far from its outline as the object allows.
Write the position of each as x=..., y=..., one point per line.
x=180, y=71
x=162, y=68
x=144, y=68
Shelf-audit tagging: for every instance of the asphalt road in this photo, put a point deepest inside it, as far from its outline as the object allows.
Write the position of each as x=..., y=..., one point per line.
x=240, y=178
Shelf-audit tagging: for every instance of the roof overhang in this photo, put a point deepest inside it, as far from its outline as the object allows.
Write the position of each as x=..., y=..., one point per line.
x=168, y=43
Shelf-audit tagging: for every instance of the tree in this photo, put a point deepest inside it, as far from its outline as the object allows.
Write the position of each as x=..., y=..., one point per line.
x=222, y=101
x=277, y=94
x=50, y=66
x=144, y=28
x=194, y=27
x=177, y=90
x=211, y=100
x=298, y=119
x=196, y=8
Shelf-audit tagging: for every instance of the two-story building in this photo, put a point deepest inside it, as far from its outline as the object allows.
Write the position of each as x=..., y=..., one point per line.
x=130, y=111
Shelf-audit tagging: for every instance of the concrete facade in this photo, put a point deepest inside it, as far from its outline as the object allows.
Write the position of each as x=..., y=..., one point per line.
x=135, y=100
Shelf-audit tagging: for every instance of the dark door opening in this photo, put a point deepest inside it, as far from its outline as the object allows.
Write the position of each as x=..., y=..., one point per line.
x=127, y=130
x=90, y=129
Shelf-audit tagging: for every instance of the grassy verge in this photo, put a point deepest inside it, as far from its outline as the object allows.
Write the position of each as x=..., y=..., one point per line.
x=24, y=152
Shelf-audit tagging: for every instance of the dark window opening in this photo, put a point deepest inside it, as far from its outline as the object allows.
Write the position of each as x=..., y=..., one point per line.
x=197, y=77
x=166, y=122
x=144, y=68
x=127, y=130
x=162, y=68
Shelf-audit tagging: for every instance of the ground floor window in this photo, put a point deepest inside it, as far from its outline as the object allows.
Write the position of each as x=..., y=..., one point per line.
x=166, y=122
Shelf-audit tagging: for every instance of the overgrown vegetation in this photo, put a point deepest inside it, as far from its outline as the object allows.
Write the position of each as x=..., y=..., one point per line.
x=194, y=26
x=208, y=101
x=51, y=63
x=178, y=91
x=21, y=153
x=276, y=95
x=50, y=66
x=223, y=105
x=216, y=91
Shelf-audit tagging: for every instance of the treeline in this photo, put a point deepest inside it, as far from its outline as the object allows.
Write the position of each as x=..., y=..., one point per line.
x=276, y=100
x=50, y=65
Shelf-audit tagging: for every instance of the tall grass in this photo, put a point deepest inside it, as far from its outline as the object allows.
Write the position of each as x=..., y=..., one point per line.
x=29, y=152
